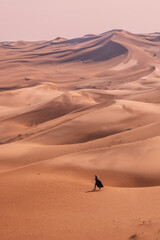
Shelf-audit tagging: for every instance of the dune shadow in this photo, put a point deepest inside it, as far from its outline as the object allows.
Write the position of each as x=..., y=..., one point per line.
x=97, y=190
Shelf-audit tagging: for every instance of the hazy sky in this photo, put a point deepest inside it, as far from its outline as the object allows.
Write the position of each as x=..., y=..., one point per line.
x=47, y=19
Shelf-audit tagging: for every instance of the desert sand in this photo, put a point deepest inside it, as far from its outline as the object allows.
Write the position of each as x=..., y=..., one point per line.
x=70, y=109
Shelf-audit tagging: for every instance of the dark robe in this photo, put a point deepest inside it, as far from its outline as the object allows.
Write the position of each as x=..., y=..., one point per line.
x=98, y=183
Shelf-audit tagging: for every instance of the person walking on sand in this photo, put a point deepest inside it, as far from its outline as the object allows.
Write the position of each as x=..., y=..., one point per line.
x=98, y=183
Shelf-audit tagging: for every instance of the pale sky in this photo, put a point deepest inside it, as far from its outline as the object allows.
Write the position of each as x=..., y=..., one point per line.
x=48, y=19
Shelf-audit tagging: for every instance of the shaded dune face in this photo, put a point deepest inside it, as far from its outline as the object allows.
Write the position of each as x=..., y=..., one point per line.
x=98, y=53
x=98, y=48
x=97, y=95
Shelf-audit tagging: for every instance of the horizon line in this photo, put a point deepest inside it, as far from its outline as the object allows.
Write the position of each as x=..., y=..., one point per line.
x=92, y=34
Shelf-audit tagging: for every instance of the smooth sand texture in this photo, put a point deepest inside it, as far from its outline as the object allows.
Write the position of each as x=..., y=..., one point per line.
x=70, y=109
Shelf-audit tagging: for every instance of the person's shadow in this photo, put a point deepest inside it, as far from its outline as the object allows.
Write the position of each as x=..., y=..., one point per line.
x=94, y=190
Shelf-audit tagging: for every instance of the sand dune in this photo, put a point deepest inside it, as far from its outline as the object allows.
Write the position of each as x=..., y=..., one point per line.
x=70, y=109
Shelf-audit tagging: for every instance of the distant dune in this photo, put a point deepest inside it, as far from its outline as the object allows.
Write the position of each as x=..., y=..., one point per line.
x=70, y=109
